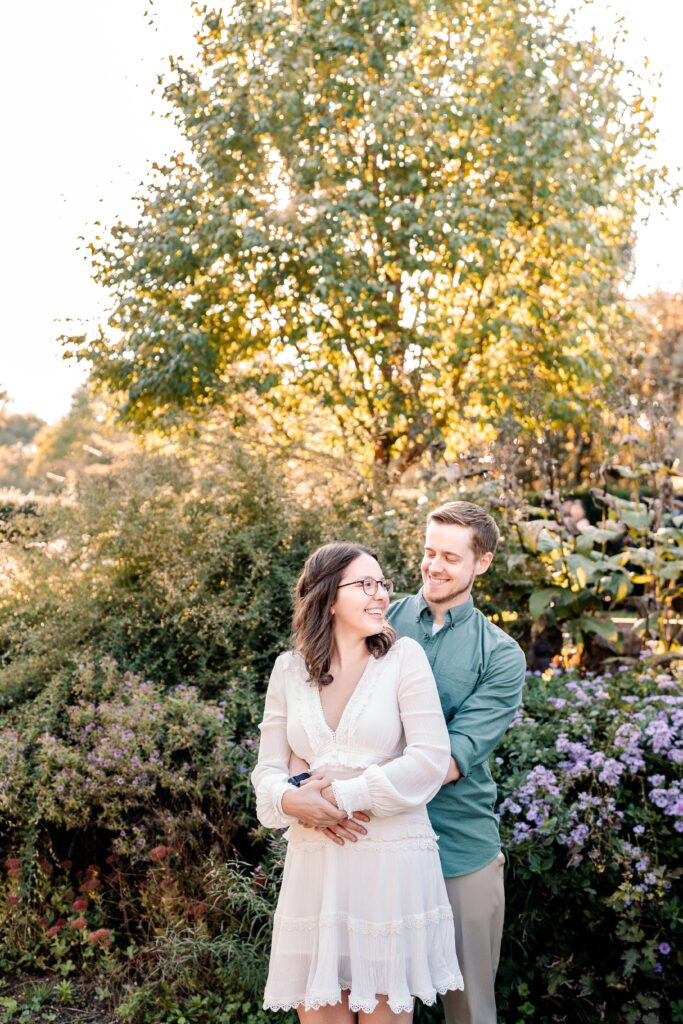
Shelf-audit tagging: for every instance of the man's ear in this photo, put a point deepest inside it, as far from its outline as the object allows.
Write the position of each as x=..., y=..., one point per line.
x=484, y=562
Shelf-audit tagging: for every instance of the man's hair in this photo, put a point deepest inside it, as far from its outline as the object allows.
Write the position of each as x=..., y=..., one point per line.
x=485, y=533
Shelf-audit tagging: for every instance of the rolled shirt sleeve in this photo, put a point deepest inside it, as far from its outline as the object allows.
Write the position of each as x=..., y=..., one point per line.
x=269, y=777
x=414, y=778
x=484, y=716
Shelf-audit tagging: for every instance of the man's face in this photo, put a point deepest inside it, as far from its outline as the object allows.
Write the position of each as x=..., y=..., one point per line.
x=449, y=565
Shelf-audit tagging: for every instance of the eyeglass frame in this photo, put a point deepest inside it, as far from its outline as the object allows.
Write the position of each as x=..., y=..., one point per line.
x=387, y=585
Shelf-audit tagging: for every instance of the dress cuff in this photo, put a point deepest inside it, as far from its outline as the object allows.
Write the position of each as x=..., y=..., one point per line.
x=277, y=796
x=352, y=794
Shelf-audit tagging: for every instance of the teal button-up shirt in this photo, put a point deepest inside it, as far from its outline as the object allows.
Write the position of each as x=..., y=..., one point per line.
x=479, y=672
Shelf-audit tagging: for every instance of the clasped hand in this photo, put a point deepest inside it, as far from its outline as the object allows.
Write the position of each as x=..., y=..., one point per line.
x=313, y=804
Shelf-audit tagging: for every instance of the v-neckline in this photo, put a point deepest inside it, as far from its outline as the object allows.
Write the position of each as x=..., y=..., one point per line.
x=361, y=677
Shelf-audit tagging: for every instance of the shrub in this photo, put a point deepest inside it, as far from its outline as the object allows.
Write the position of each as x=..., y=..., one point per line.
x=592, y=816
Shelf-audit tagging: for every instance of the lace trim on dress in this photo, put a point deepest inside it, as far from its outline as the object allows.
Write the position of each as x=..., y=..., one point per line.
x=360, y=697
x=367, y=1005
x=331, y=919
x=416, y=843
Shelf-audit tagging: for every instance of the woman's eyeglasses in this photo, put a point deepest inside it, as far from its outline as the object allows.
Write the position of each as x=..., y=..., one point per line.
x=370, y=586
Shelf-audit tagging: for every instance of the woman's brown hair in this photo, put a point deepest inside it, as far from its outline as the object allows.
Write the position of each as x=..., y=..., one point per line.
x=316, y=592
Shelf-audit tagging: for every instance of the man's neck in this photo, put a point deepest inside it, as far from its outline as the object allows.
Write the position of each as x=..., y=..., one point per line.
x=439, y=610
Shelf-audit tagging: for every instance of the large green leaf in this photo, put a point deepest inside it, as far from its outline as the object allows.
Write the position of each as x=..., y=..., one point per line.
x=602, y=627
x=541, y=600
x=583, y=568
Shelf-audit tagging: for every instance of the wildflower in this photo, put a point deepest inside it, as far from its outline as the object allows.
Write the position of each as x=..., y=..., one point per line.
x=664, y=948
x=611, y=772
x=638, y=830
x=80, y=904
x=91, y=885
x=12, y=862
x=159, y=853
x=101, y=937
x=14, y=872
x=78, y=922
x=42, y=921
x=12, y=900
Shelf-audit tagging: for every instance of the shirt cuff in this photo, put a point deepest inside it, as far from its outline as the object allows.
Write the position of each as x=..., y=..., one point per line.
x=459, y=752
x=352, y=794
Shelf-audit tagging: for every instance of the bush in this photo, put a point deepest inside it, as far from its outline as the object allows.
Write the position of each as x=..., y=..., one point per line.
x=592, y=816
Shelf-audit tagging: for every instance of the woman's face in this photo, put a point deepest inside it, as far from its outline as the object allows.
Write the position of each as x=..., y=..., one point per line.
x=354, y=611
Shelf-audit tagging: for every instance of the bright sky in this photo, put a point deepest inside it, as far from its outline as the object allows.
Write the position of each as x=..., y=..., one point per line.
x=80, y=131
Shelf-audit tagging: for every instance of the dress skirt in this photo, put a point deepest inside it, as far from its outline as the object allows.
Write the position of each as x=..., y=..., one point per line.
x=370, y=917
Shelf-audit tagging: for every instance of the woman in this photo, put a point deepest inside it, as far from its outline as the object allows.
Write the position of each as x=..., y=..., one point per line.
x=361, y=928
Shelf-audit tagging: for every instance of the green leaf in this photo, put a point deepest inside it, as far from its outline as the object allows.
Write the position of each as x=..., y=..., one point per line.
x=602, y=627
x=583, y=568
x=637, y=520
x=541, y=600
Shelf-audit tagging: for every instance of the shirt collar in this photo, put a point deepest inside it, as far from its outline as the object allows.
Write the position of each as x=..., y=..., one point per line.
x=452, y=617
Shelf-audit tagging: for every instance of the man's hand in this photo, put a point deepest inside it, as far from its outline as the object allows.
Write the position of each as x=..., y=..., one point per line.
x=308, y=804
x=453, y=773
x=345, y=830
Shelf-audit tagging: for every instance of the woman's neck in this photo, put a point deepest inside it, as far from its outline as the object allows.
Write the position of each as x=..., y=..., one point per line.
x=348, y=650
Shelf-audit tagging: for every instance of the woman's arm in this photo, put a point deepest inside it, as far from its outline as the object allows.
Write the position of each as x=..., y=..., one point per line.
x=269, y=777
x=414, y=778
x=297, y=765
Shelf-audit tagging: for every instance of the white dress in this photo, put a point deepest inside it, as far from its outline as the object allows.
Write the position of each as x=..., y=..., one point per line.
x=373, y=916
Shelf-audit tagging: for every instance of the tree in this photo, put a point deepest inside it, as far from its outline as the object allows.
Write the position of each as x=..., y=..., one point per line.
x=393, y=219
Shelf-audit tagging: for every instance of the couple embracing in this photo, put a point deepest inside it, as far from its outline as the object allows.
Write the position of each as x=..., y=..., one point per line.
x=374, y=747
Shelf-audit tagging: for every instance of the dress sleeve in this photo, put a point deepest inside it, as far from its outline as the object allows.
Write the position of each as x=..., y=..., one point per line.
x=269, y=777
x=414, y=778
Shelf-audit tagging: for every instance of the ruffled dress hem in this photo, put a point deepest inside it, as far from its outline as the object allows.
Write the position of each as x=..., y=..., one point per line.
x=365, y=1004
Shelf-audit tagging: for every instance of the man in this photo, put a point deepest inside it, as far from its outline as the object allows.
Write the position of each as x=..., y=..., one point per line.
x=479, y=672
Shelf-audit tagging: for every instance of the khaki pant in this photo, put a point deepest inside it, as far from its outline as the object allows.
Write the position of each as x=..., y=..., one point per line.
x=478, y=902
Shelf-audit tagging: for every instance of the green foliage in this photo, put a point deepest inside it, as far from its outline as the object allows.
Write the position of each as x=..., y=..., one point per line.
x=634, y=558
x=391, y=217
x=591, y=816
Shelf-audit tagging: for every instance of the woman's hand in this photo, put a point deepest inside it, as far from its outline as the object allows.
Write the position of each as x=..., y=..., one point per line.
x=309, y=805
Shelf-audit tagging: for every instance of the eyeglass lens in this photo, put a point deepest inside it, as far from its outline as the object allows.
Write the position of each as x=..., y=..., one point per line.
x=371, y=586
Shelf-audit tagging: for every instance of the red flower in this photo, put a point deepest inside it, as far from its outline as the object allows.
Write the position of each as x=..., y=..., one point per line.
x=42, y=921
x=91, y=885
x=101, y=936
x=12, y=900
x=197, y=910
x=66, y=864
x=12, y=862
x=14, y=872
x=80, y=904
x=78, y=922
x=159, y=852
x=56, y=927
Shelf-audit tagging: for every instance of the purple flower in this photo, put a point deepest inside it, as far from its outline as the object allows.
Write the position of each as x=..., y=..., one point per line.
x=611, y=772
x=638, y=830
x=664, y=948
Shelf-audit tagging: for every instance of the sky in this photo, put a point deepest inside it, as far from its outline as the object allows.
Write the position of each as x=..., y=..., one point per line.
x=82, y=123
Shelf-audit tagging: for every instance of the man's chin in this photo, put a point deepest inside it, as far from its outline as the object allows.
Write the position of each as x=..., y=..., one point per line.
x=440, y=597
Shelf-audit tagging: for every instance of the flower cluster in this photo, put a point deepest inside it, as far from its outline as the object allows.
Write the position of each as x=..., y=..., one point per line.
x=591, y=797
x=127, y=747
